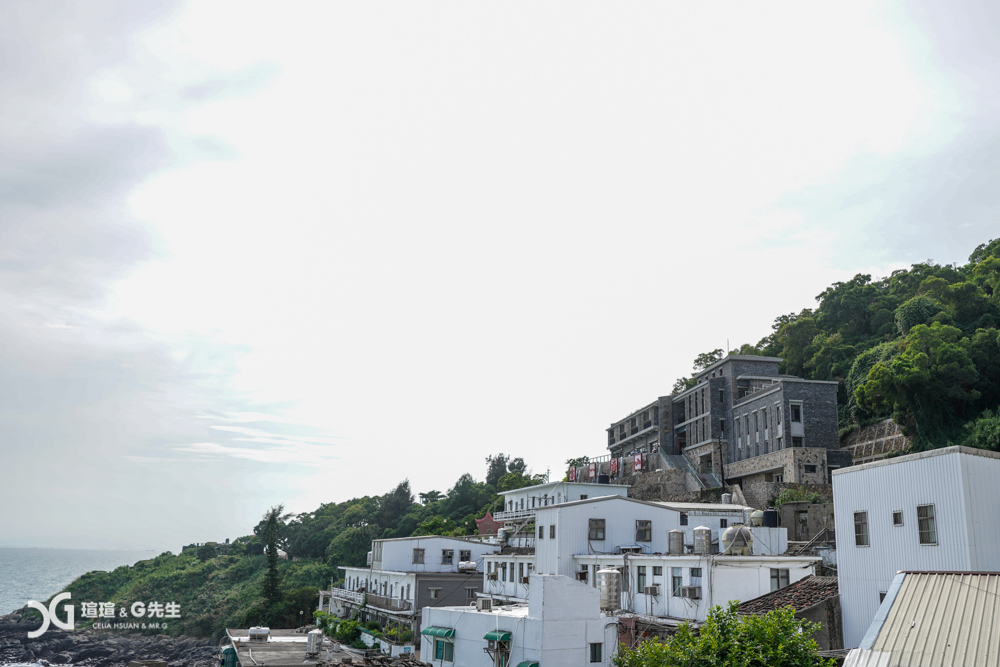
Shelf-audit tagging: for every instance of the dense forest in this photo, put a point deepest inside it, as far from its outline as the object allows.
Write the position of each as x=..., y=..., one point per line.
x=920, y=346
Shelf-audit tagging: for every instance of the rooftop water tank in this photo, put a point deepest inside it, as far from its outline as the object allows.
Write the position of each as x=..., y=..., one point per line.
x=675, y=541
x=727, y=499
x=609, y=581
x=702, y=540
x=259, y=633
x=314, y=642
x=736, y=541
x=770, y=518
x=368, y=559
x=756, y=518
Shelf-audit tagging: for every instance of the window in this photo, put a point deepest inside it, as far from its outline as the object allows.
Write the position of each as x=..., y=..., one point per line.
x=778, y=414
x=881, y=596
x=676, y=581
x=640, y=577
x=696, y=576
x=643, y=530
x=897, y=518
x=722, y=395
x=541, y=532
x=796, y=442
x=657, y=571
x=684, y=518
x=926, y=525
x=583, y=496
x=503, y=571
x=447, y=556
x=796, y=410
x=595, y=652
x=810, y=469
x=723, y=523
x=418, y=556
x=444, y=650
x=552, y=531
x=435, y=593
x=722, y=428
x=470, y=593
x=779, y=579
x=465, y=555
x=596, y=531
x=861, y=529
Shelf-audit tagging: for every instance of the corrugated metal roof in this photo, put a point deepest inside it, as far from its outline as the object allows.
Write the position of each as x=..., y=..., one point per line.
x=937, y=619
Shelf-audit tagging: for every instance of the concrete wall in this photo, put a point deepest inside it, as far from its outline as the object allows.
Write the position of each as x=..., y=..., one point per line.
x=827, y=613
x=806, y=520
x=509, y=586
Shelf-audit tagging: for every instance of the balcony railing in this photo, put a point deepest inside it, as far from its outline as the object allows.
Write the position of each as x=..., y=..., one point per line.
x=392, y=604
x=348, y=596
x=515, y=514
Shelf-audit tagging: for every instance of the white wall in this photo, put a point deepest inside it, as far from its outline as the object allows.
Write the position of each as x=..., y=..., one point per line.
x=723, y=578
x=397, y=554
x=557, y=492
x=555, y=629
x=509, y=586
x=960, y=483
x=620, y=516
x=395, y=583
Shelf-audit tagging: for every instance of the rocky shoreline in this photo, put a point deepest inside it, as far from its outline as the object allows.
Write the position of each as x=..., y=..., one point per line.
x=97, y=648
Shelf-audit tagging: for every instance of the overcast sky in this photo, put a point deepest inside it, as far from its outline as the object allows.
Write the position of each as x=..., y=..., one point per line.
x=262, y=253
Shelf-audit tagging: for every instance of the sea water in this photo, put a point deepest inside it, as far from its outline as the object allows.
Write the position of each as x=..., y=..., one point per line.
x=38, y=574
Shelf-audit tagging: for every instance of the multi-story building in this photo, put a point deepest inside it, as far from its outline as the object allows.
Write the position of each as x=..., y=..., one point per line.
x=740, y=419
x=408, y=574
x=927, y=512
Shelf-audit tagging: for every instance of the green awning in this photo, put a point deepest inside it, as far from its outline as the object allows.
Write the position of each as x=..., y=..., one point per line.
x=498, y=635
x=446, y=633
x=527, y=663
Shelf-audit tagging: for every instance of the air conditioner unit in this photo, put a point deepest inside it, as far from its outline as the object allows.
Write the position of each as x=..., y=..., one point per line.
x=651, y=590
x=492, y=576
x=691, y=592
x=634, y=549
x=524, y=580
x=492, y=643
x=484, y=604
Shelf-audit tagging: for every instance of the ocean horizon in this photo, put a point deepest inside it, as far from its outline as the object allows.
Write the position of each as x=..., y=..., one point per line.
x=28, y=573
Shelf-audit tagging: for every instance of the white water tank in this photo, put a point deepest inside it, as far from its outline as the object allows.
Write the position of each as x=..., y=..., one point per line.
x=314, y=642
x=368, y=559
x=259, y=634
x=702, y=540
x=675, y=542
x=736, y=541
x=727, y=499
x=609, y=581
x=757, y=518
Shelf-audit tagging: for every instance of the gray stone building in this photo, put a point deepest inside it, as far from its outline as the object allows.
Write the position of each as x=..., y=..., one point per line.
x=742, y=420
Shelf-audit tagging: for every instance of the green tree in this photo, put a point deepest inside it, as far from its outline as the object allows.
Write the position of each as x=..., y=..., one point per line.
x=394, y=504
x=207, y=552
x=271, y=536
x=706, y=359
x=984, y=432
x=518, y=480
x=496, y=467
x=776, y=639
x=429, y=497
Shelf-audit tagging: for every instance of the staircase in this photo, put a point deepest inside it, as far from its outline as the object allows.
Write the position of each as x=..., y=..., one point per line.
x=705, y=480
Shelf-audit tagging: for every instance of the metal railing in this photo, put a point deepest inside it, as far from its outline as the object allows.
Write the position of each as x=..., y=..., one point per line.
x=392, y=604
x=347, y=596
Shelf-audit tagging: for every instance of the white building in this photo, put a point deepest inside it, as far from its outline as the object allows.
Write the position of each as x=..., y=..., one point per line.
x=520, y=505
x=609, y=524
x=561, y=626
x=931, y=511
x=410, y=573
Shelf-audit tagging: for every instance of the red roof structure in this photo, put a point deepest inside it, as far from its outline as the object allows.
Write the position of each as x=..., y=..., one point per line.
x=488, y=525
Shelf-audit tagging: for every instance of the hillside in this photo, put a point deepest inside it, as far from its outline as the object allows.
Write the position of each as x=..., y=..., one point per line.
x=215, y=591
x=920, y=346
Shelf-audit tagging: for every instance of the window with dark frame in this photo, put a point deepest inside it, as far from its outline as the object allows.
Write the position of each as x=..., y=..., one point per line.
x=810, y=468
x=552, y=531
x=723, y=523
x=541, y=532
x=796, y=410
x=643, y=530
x=418, y=556
x=926, y=524
x=861, y=529
x=779, y=578
x=897, y=518
x=684, y=518
x=595, y=529
x=595, y=652
x=447, y=556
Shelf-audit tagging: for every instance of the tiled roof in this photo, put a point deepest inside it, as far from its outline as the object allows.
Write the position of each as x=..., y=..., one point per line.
x=800, y=595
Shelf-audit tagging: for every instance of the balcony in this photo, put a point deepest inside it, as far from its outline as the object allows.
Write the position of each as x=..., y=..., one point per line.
x=389, y=604
x=515, y=514
x=347, y=596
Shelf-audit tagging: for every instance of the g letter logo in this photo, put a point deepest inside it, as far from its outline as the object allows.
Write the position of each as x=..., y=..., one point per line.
x=49, y=615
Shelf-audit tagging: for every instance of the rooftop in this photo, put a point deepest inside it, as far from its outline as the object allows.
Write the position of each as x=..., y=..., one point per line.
x=691, y=508
x=943, y=451
x=283, y=648
x=801, y=595
x=935, y=619
x=552, y=485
